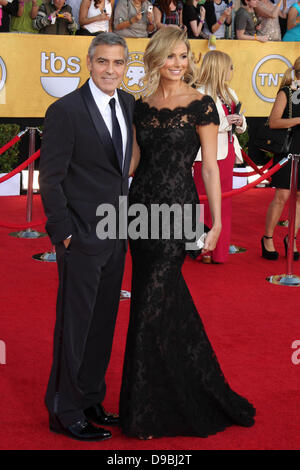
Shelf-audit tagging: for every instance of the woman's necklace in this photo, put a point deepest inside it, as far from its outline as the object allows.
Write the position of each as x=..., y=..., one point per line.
x=137, y=6
x=225, y=104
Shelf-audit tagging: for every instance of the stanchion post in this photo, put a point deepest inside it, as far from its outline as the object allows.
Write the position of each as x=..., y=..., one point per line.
x=292, y=212
x=29, y=233
x=30, y=177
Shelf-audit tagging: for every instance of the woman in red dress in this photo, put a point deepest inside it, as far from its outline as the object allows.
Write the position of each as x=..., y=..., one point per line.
x=215, y=73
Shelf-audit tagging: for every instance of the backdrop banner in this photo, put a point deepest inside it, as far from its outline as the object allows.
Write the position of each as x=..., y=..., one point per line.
x=35, y=70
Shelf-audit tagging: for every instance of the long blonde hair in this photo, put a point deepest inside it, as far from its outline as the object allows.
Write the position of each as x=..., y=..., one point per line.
x=288, y=77
x=156, y=53
x=214, y=72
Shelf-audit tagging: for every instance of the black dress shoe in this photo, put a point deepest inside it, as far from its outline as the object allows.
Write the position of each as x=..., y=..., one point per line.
x=81, y=430
x=271, y=255
x=97, y=415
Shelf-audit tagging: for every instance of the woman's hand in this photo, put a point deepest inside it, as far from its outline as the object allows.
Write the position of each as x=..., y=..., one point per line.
x=150, y=17
x=101, y=17
x=211, y=239
x=202, y=13
x=234, y=119
x=68, y=17
x=138, y=17
x=262, y=38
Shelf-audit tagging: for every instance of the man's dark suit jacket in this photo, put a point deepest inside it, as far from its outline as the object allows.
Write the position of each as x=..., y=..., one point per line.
x=79, y=168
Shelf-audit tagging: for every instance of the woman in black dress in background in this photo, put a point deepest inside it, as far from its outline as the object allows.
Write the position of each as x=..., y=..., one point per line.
x=279, y=119
x=172, y=383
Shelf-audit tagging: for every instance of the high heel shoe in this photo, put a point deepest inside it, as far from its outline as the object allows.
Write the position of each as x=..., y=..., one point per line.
x=271, y=255
x=296, y=253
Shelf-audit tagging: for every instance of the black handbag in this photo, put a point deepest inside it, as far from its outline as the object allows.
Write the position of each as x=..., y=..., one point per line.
x=275, y=140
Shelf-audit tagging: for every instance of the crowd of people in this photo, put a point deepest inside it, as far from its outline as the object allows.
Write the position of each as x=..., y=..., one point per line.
x=261, y=20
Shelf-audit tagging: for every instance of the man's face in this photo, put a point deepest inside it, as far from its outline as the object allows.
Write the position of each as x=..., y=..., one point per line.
x=107, y=67
x=59, y=4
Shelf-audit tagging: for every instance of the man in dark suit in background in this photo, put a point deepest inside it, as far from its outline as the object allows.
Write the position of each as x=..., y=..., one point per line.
x=85, y=158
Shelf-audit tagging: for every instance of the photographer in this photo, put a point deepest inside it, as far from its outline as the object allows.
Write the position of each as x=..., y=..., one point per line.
x=95, y=16
x=55, y=18
x=134, y=18
x=218, y=15
x=247, y=24
x=168, y=12
x=269, y=14
x=193, y=19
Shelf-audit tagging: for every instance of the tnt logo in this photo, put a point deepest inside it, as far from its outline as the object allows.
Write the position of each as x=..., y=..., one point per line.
x=3, y=75
x=56, y=85
x=267, y=75
x=134, y=74
x=2, y=352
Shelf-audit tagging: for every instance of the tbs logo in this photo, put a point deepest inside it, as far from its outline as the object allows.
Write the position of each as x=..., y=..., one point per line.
x=57, y=86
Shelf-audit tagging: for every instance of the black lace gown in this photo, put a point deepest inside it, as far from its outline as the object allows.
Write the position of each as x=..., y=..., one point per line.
x=172, y=383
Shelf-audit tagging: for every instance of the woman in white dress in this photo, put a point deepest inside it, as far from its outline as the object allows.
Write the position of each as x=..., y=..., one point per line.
x=95, y=16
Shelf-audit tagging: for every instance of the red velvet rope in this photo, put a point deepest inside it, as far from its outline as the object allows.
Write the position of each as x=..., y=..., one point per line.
x=252, y=173
x=21, y=167
x=254, y=183
x=250, y=162
x=9, y=144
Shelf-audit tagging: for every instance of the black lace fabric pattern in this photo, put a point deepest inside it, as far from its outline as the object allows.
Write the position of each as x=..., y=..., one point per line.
x=172, y=382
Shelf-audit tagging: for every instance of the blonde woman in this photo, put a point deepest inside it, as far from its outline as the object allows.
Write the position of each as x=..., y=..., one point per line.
x=279, y=119
x=172, y=383
x=215, y=74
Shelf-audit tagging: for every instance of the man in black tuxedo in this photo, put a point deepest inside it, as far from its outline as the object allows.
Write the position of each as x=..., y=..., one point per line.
x=85, y=158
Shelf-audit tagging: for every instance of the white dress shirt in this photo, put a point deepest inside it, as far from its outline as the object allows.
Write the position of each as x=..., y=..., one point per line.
x=102, y=101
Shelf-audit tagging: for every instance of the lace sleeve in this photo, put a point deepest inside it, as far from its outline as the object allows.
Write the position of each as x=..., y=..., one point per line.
x=207, y=112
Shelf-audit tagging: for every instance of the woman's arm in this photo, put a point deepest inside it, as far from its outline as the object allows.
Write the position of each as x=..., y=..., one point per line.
x=122, y=13
x=240, y=34
x=210, y=173
x=193, y=24
x=292, y=20
x=276, y=121
x=34, y=9
x=224, y=18
x=150, y=22
x=262, y=10
x=283, y=13
x=136, y=154
x=157, y=18
x=83, y=12
x=21, y=8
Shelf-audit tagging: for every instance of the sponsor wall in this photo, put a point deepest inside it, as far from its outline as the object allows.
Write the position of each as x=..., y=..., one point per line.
x=35, y=70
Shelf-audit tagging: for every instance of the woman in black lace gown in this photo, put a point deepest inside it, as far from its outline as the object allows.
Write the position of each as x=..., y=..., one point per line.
x=172, y=382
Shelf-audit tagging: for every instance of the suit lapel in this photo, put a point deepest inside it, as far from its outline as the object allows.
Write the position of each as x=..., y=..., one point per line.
x=100, y=126
x=125, y=111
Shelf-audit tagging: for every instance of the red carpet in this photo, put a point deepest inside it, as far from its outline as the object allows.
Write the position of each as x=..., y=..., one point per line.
x=251, y=324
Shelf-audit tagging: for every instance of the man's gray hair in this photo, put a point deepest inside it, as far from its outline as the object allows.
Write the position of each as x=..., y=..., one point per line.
x=109, y=39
